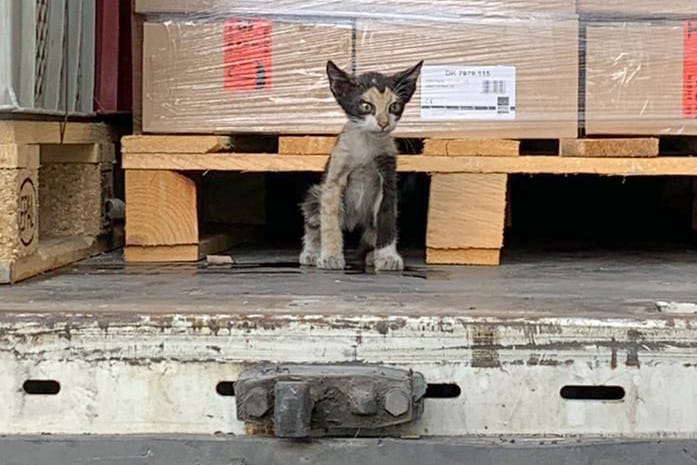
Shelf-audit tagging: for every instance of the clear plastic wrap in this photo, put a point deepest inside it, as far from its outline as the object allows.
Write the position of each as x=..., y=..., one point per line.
x=501, y=69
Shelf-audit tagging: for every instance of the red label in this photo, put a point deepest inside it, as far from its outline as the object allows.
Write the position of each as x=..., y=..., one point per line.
x=689, y=78
x=247, y=54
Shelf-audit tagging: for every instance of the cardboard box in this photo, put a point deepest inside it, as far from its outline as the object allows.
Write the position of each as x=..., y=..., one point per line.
x=360, y=8
x=258, y=76
x=524, y=75
x=638, y=8
x=637, y=81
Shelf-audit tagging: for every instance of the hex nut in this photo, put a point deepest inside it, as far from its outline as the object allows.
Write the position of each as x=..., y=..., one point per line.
x=396, y=402
x=256, y=402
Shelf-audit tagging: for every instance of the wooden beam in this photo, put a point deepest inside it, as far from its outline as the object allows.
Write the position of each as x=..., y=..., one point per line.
x=52, y=254
x=670, y=166
x=472, y=147
x=48, y=132
x=466, y=213
x=478, y=257
x=614, y=147
x=14, y=156
x=209, y=244
x=161, y=209
x=175, y=144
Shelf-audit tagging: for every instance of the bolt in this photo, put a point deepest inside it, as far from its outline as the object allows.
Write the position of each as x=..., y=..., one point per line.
x=363, y=400
x=256, y=402
x=396, y=402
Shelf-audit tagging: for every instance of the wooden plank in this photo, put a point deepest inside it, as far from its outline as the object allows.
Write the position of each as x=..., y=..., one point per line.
x=48, y=132
x=161, y=253
x=161, y=209
x=307, y=145
x=466, y=211
x=614, y=147
x=52, y=254
x=208, y=245
x=484, y=257
x=472, y=147
x=19, y=156
x=175, y=144
x=260, y=163
x=78, y=153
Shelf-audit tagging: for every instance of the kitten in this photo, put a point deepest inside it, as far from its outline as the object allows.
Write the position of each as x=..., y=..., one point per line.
x=359, y=184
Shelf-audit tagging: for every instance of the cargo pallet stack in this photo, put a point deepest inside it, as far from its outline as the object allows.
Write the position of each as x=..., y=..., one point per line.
x=56, y=174
x=499, y=95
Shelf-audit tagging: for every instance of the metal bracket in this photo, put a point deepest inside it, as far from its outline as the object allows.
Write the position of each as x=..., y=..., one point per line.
x=321, y=400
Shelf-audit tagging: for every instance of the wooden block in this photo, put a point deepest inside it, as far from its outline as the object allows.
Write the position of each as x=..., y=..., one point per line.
x=175, y=144
x=309, y=145
x=209, y=244
x=48, y=132
x=620, y=148
x=160, y=253
x=52, y=254
x=487, y=257
x=19, y=213
x=161, y=209
x=472, y=147
x=466, y=211
x=72, y=199
x=19, y=156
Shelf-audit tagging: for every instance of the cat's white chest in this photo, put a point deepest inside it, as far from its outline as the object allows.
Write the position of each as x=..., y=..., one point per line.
x=362, y=196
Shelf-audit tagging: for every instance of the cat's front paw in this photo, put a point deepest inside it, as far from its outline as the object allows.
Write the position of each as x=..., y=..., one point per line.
x=308, y=258
x=387, y=259
x=331, y=262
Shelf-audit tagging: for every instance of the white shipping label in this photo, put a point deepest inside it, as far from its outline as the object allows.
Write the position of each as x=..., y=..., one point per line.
x=468, y=92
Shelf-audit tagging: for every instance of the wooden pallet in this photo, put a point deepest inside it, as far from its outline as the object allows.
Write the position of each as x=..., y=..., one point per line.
x=53, y=195
x=467, y=206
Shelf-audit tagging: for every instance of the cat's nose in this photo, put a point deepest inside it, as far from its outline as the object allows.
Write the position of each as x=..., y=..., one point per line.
x=383, y=124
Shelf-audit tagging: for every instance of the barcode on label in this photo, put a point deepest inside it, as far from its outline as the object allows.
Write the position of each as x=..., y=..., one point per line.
x=493, y=87
x=503, y=105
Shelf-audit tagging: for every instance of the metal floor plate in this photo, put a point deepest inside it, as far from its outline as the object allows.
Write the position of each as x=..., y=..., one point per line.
x=141, y=349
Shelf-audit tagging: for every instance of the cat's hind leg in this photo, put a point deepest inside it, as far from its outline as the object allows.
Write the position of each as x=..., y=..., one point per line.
x=312, y=244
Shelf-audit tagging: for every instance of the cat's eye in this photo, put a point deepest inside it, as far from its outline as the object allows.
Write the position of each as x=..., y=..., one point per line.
x=365, y=107
x=396, y=107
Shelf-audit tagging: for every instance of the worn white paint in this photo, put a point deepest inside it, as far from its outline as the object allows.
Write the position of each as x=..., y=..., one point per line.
x=157, y=374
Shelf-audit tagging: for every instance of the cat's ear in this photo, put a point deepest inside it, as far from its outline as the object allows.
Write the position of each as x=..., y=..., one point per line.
x=404, y=82
x=339, y=80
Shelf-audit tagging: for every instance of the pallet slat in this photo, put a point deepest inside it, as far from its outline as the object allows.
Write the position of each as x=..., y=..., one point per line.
x=259, y=163
x=175, y=144
x=472, y=147
x=48, y=132
x=630, y=147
